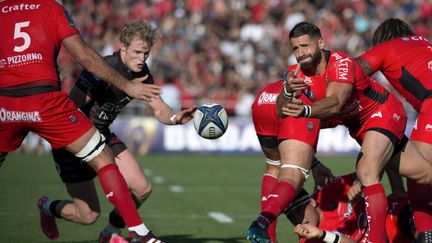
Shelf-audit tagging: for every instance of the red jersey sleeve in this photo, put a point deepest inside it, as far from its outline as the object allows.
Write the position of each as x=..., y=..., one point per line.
x=375, y=56
x=65, y=24
x=341, y=68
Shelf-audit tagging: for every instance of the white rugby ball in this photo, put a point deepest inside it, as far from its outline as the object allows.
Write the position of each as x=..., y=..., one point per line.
x=210, y=121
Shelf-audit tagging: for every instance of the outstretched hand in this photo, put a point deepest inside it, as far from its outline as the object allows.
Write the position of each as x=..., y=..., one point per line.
x=184, y=116
x=293, y=82
x=139, y=90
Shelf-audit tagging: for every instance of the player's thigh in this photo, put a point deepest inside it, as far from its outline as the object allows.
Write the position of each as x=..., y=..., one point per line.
x=84, y=196
x=376, y=149
x=421, y=134
x=131, y=170
x=425, y=149
x=295, y=153
x=62, y=124
x=413, y=164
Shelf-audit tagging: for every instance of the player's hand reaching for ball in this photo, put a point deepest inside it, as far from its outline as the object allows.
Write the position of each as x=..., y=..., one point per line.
x=184, y=116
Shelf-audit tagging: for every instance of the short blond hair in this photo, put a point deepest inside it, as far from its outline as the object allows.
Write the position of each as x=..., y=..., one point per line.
x=140, y=29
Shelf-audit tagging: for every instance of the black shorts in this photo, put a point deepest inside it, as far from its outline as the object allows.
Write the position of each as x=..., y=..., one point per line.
x=73, y=170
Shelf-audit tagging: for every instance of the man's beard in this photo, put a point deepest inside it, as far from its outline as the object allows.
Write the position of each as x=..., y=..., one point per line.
x=315, y=58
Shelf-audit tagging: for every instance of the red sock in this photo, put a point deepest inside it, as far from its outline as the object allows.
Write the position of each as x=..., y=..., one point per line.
x=268, y=183
x=420, y=197
x=376, y=209
x=116, y=190
x=278, y=199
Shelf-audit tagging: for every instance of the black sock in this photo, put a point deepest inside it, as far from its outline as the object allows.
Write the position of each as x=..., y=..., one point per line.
x=56, y=207
x=116, y=220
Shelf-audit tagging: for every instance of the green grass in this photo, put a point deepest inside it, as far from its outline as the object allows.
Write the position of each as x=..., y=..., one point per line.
x=228, y=184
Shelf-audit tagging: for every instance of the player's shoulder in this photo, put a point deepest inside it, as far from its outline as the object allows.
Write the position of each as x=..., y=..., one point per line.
x=273, y=87
x=112, y=59
x=338, y=55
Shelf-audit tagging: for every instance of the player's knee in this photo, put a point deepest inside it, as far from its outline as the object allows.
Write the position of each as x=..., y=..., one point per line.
x=89, y=217
x=295, y=173
x=367, y=178
x=93, y=147
x=143, y=192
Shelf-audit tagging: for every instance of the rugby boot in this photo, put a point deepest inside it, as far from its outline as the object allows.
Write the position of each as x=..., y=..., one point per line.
x=47, y=222
x=148, y=238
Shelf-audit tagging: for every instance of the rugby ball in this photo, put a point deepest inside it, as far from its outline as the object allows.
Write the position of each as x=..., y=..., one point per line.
x=210, y=121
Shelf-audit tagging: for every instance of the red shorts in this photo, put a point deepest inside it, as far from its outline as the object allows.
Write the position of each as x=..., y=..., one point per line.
x=302, y=129
x=267, y=123
x=389, y=117
x=53, y=116
x=422, y=130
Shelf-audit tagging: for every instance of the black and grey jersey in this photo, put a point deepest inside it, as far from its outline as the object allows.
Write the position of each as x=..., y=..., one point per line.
x=106, y=100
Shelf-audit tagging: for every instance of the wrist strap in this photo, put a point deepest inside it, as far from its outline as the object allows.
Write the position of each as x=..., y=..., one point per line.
x=287, y=94
x=329, y=237
x=172, y=119
x=307, y=111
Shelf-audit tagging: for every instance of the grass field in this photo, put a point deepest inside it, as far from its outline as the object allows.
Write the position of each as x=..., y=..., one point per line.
x=186, y=190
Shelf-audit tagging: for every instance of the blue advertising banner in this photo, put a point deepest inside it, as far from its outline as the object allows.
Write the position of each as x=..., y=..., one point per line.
x=147, y=135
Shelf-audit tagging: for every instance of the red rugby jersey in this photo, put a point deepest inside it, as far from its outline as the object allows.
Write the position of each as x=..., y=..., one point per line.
x=406, y=62
x=367, y=94
x=339, y=215
x=31, y=36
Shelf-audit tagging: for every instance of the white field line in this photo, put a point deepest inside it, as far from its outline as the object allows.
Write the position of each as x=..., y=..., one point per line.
x=176, y=188
x=220, y=217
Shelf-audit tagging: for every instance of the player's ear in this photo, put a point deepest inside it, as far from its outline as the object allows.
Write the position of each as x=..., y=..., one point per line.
x=321, y=43
x=123, y=47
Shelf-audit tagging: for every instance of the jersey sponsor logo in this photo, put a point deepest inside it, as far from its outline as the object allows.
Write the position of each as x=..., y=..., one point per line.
x=19, y=116
x=2, y=63
x=342, y=66
x=430, y=65
x=350, y=210
x=378, y=114
x=267, y=98
x=396, y=117
x=20, y=7
x=20, y=60
x=308, y=81
x=428, y=127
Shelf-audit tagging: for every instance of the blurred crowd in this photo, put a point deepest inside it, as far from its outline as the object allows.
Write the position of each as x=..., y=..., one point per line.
x=224, y=51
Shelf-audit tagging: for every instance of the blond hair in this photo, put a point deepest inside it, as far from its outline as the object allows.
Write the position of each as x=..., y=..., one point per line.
x=141, y=30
